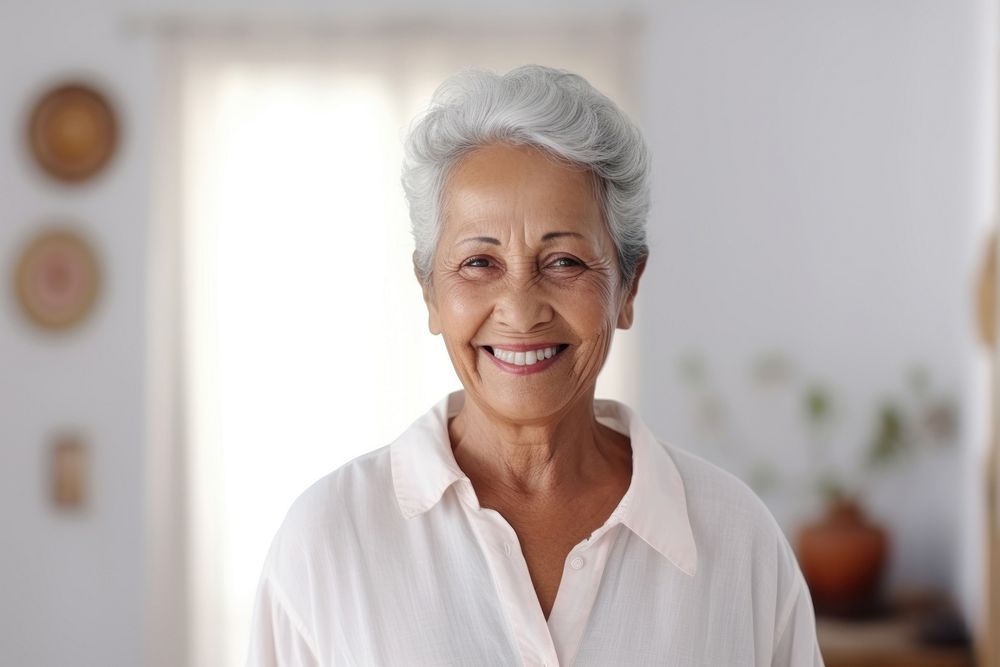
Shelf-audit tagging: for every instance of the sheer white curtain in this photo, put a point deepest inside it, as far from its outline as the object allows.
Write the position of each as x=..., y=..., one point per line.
x=302, y=332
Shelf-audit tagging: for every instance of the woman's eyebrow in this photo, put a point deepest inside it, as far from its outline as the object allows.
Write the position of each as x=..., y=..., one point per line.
x=492, y=241
x=481, y=239
x=556, y=235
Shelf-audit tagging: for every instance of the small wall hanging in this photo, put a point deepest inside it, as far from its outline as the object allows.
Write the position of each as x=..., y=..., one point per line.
x=69, y=471
x=73, y=132
x=57, y=279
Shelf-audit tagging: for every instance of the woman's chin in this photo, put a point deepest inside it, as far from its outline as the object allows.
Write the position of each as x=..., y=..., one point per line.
x=519, y=405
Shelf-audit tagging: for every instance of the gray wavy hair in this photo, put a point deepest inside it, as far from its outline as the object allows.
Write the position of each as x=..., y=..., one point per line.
x=551, y=109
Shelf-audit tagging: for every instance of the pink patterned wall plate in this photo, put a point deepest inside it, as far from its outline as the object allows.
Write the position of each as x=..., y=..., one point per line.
x=57, y=279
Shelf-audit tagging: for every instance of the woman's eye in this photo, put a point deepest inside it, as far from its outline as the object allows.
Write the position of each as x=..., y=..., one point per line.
x=476, y=263
x=566, y=263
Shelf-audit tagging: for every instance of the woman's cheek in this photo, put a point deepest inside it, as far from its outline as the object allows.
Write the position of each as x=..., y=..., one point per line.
x=464, y=311
x=465, y=300
x=592, y=301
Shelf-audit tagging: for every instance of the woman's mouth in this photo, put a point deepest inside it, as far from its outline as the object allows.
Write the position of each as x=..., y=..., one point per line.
x=523, y=359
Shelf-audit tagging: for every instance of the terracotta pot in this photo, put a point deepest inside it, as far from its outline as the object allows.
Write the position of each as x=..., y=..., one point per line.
x=842, y=557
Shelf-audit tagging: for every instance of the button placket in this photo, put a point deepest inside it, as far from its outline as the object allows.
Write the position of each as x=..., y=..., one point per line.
x=513, y=584
x=583, y=572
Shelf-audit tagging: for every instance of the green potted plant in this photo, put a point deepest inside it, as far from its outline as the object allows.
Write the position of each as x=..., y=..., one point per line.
x=842, y=554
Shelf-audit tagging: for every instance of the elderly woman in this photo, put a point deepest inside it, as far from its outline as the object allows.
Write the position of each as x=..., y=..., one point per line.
x=521, y=521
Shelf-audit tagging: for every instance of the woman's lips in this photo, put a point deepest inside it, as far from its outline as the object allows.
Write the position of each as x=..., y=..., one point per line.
x=524, y=359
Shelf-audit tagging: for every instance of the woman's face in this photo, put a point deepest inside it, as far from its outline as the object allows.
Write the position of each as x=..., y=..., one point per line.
x=525, y=285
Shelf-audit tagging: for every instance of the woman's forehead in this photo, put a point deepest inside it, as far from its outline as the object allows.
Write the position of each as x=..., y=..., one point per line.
x=467, y=212
x=501, y=167
x=500, y=188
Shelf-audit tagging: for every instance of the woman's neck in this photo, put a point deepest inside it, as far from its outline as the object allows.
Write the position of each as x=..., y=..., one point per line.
x=557, y=459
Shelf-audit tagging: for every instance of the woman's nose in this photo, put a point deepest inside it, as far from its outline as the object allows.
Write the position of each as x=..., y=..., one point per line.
x=522, y=307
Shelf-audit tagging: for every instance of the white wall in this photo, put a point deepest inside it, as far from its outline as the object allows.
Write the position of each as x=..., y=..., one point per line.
x=71, y=584
x=822, y=181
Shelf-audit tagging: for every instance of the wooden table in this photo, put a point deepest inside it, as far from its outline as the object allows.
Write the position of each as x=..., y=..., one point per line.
x=890, y=641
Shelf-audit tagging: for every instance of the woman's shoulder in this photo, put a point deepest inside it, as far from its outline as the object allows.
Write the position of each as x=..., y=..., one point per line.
x=717, y=498
x=354, y=484
x=328, y=506
x=706, y=475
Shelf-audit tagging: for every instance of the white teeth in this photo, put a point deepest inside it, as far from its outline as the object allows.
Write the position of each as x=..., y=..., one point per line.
x=525, y=358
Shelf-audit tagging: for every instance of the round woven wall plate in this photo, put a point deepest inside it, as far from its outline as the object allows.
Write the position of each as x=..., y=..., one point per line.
x=72, y=132
x=57, y=279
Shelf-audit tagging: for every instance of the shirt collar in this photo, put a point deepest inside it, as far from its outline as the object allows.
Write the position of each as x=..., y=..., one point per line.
x=654, y=507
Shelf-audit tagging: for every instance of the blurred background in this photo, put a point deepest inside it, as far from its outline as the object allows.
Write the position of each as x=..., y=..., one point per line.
x=209, y=301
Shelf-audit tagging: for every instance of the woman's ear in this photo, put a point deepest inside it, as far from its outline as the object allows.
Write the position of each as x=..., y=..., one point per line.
x=625, y=315
x=425, y=287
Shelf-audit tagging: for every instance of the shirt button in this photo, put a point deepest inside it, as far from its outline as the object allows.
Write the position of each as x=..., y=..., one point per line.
x=576, y=563
x=506, y=548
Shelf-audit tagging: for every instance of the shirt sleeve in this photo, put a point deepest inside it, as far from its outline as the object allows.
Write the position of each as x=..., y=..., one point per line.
x=278, y=638
x=795, y=643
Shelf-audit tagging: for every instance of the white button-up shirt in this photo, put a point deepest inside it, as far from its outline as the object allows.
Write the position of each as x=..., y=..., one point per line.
x=390, y=560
